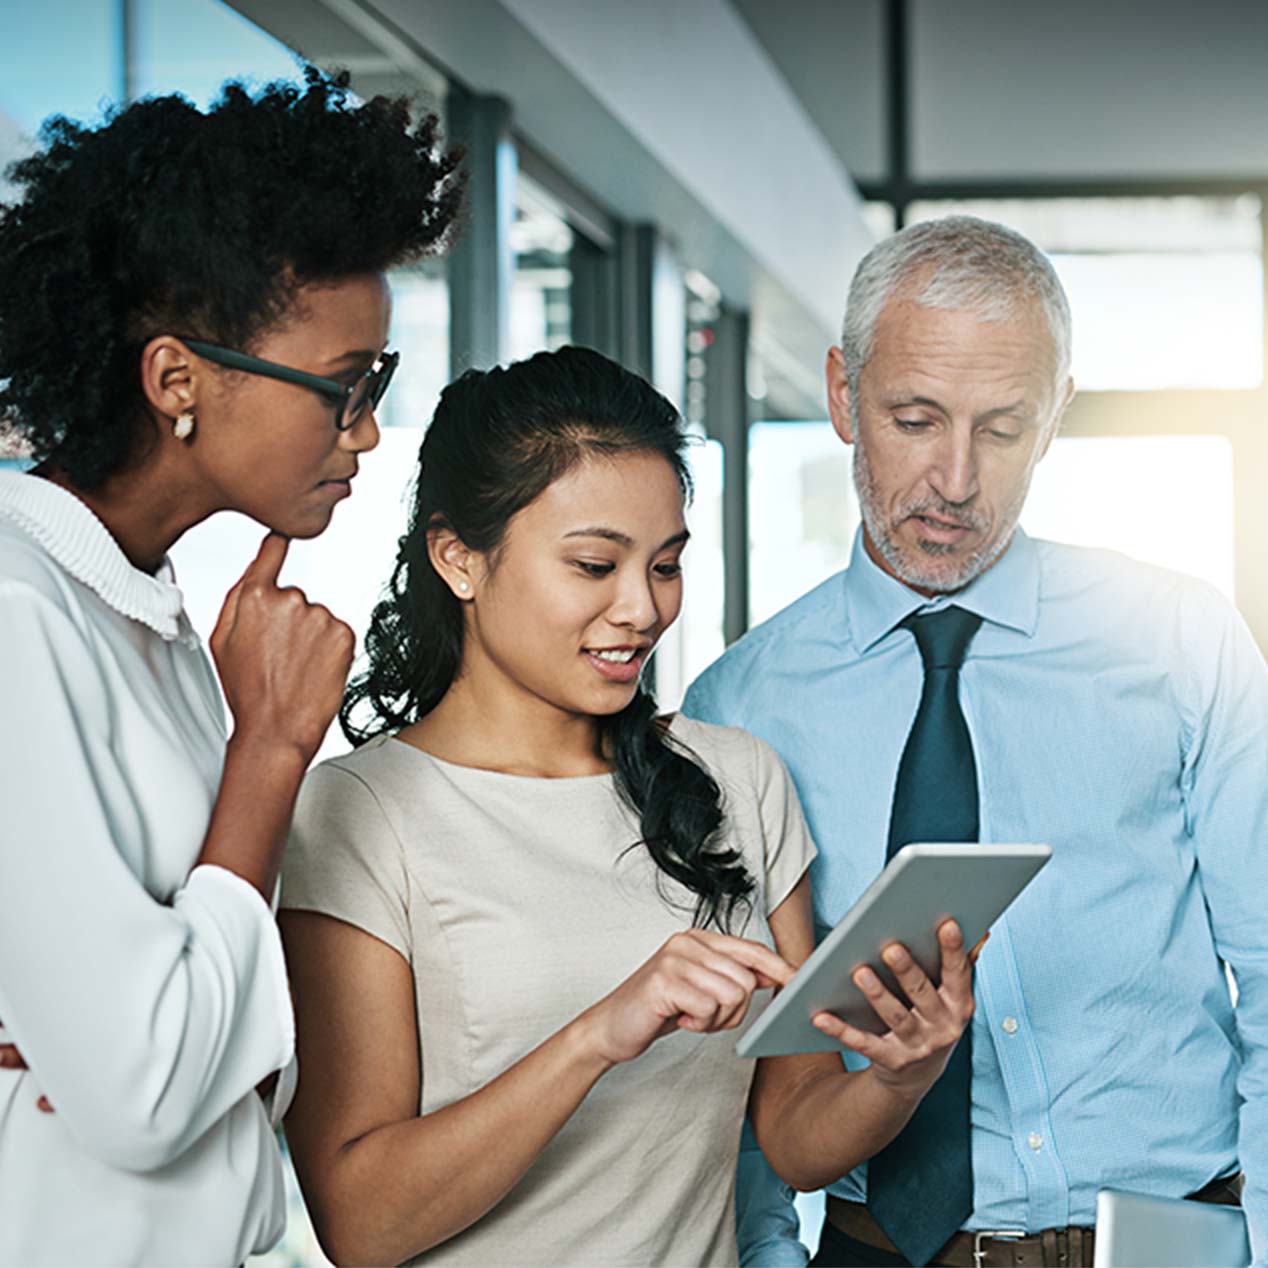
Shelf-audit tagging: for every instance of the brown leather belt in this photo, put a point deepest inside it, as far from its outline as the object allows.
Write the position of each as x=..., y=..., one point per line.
x=1007, y=1248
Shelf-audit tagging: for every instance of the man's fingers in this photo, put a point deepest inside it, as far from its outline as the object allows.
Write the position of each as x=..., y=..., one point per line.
x=894, y=1014
x=859, y=1041
x=955, y=960
x=911, y=977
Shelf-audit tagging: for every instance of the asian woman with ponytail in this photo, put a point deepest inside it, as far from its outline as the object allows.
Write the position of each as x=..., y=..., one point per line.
x=522, y=916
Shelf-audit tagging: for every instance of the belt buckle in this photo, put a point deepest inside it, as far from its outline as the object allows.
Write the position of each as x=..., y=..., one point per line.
x=1003, y=1234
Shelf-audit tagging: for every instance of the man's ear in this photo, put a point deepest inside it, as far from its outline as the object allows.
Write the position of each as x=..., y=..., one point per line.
x=838, y=383
x=1055, y=426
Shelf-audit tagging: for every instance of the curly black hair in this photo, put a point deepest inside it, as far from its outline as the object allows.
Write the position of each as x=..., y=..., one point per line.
x=498, y=439
x=166, y=219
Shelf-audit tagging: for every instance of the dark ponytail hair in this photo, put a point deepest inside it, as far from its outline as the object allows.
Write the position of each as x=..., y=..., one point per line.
x=498, y=440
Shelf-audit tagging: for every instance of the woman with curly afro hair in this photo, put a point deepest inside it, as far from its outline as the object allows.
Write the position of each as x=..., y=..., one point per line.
x=193, y=318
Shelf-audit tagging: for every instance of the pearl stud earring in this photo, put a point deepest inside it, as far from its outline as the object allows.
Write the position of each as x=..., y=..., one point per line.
x=183, y=425
x=463, y=586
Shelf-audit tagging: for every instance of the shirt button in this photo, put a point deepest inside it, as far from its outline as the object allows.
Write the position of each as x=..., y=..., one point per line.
x=1010, y=1025
x=1035, y=1141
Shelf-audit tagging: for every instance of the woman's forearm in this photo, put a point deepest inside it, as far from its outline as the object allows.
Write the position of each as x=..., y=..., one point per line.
x=403, y=1188
x=827, y=1123
x=249, y=821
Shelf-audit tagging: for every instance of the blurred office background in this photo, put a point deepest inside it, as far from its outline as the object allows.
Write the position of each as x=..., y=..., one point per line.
x=688, y=184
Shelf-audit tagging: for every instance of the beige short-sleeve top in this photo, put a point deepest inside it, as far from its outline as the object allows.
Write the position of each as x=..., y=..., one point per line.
x=518, y=903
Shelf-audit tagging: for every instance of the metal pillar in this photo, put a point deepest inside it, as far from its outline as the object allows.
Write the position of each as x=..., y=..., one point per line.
x=636, y=263
x=595, y=308
x=727, y=421
x=481, y=263
x=898, y=57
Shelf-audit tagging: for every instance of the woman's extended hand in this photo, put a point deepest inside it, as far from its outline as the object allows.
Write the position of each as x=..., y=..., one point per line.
x=283, y=661
x=913, y=1052
x=698, y=980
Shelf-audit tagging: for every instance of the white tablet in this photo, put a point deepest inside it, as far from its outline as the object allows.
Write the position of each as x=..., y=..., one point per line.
x=921, y=887
x=1135, y=1230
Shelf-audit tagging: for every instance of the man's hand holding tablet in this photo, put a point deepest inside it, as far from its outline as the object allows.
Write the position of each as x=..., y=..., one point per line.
x=904, y=937
x=921, y=1035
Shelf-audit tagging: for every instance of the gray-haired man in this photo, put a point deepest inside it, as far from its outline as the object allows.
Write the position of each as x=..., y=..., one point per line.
x=1114, y=710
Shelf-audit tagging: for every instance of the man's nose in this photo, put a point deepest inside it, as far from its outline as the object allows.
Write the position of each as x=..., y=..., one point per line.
x=954, y=474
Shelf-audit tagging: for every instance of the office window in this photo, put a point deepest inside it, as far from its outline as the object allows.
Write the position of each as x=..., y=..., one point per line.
x=1092, y=491
x=193, y=46
x=781, y=386
x=802, y=511
x=695, y=641
x=60, y=57
x=1106, y=491
x=703, y=307
x=420, y=333
x=879, y=217
x=541, y=287
x=13, y=449
x=1165, y=292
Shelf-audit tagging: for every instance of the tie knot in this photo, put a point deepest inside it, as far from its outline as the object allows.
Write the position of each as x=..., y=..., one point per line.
x=943, y=637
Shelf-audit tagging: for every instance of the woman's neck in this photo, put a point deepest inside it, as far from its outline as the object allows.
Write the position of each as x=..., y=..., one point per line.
x=509, y=730
x=144, y=510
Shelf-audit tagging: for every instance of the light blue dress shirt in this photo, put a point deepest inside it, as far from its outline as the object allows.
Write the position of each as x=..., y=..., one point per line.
x=1119, y=713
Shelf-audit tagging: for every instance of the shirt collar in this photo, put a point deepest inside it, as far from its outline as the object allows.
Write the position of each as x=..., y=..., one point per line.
x=1007, y=593
x=83, y=546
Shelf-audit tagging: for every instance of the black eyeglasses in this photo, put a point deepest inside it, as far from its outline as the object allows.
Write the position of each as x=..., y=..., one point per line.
x=350, y=402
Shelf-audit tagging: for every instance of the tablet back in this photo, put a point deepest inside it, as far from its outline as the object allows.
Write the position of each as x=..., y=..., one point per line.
x=921, y=886
x=1134, y=1230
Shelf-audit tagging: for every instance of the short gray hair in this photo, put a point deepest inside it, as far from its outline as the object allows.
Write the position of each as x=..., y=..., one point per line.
x=956, y=262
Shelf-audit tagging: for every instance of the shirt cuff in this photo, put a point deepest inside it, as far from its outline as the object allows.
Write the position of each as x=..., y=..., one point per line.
x=227, y=892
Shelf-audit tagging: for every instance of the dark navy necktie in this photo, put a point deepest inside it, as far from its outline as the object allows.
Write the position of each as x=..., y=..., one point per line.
x=920, y=1186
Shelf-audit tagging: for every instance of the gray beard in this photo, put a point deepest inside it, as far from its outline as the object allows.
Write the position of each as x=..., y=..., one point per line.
x=907, y=570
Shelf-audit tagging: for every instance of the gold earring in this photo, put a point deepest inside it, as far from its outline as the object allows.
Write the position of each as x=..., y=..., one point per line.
x=183, y=425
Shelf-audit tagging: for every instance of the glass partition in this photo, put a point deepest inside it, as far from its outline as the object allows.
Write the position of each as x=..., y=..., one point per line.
x=541, y=288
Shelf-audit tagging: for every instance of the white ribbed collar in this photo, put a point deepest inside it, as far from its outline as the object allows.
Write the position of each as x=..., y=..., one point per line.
x=82, y=544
